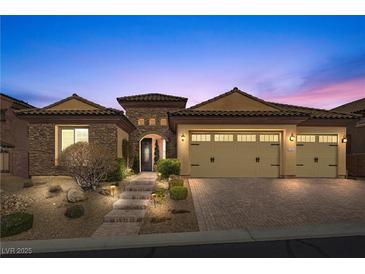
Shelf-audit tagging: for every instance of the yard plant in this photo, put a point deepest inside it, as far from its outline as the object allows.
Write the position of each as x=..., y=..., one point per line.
x=178, y=193
x=75, y=211
x=87, y=163
x=168, y=167
x=15, y=223
x=119, y=173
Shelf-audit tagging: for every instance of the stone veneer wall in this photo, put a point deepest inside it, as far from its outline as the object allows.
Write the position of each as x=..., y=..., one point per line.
x=146, y=113
x=42, y=146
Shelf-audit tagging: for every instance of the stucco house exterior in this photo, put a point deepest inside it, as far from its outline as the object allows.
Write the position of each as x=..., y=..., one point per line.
x=355, y=138
x=13, y=137
x=232, y=135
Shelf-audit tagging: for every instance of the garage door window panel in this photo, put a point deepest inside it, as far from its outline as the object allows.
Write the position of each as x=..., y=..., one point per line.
x=246, y=137
x=200, y=137
x=223, y=138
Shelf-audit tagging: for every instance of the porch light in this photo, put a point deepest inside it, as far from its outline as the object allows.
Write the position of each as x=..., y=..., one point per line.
x=344, y=140
x=292, y=137
x=112, y=190
x=182, y=137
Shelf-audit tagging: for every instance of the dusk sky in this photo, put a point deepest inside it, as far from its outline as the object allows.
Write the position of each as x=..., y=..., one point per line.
x=316, y=61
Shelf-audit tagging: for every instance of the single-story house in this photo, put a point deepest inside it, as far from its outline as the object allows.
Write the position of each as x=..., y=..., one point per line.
x=355, y=138
x=232, y=135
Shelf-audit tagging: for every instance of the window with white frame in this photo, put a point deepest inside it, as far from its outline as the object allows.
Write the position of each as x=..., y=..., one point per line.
x=306, y=138
x=327, y=139
x=246, y=137
x=223, y=137
x=200, y=137
x=269, y=138
x=70, y=136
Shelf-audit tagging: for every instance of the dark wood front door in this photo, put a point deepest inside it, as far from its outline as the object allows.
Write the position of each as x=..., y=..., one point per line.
x=146, y=154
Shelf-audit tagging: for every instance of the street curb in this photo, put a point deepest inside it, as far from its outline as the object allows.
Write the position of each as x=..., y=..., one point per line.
x=187, y=238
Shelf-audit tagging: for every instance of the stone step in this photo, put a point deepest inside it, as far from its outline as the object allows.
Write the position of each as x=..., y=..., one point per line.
x=125, y=216
x=131, y=204
x=142, y=182
x=138, y=195
x=144, y=187
x=116, y=229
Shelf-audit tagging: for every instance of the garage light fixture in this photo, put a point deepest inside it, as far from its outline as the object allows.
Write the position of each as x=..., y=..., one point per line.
x=182, y=137
x=292, y=137
x=344, y=140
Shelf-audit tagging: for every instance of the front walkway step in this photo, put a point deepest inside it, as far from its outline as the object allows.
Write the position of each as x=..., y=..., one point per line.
x=116, y=229
x=131, y=204
x=142, y=182
x=125, y=216
x=139, y=195
x=141, y=187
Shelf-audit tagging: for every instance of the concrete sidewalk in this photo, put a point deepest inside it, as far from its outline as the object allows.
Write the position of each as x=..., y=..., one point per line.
x=188, y=238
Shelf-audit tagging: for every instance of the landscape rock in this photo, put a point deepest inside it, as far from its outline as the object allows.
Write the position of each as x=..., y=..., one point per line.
x=75, y=195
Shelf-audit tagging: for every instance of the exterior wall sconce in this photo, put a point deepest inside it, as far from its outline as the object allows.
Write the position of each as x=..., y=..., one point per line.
x=344, y=140
x=182, y=137
x=292, y=137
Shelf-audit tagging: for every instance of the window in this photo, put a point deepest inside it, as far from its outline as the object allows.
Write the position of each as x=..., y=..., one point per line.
x=163, y=122
x=246, y=138
x=327, y=139
x=152, y=122
x=269, y=138
x=70, y=136
x=306, y=138
x=200, y=137
x=140, y=122
x=223, y=138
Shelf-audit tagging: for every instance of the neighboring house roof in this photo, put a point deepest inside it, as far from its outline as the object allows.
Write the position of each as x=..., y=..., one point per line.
x=357, y=106
x=152, y=100
x=17, y=101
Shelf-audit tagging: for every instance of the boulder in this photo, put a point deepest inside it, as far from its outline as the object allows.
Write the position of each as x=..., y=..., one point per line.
x=75, y=195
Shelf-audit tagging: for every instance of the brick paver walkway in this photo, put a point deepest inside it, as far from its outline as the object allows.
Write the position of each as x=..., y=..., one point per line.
x=128, y=212
x=233, y=203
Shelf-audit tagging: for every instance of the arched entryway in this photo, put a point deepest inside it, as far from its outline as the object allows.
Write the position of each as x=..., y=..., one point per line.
x=151, y=148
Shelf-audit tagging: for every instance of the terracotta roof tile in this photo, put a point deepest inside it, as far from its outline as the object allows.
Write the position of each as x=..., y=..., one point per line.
x=42, y=111
x=218, y=113
x=357, y=106
x=152, y=97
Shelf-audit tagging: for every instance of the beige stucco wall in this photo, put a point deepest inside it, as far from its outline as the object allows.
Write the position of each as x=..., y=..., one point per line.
x=236, y=101
x=341, y=132
x=73, y=104
x=288, y=148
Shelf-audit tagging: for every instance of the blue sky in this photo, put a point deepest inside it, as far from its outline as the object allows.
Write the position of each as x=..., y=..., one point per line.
x=314, y=61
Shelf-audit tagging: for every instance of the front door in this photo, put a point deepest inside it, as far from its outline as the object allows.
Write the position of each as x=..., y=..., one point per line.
x=146, y=154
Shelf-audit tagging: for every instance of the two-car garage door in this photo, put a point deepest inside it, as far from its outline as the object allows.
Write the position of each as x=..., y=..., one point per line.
x=245, y=154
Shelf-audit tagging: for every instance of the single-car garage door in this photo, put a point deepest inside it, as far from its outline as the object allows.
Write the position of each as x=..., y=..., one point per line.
x=317, y=155
x=239, y=154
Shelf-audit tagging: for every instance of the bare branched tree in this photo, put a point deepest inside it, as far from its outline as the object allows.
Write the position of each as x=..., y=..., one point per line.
x=87, y=163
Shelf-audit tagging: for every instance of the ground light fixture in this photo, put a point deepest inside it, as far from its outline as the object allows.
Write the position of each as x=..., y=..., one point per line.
x=112, y=190
x=292, y=137
x=182, y=137
x=344, y=140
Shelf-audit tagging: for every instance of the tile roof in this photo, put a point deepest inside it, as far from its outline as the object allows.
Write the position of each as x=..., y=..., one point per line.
x=219, y=113
x=20, y=102
x=152, y=97
x=77, y=97
x=42, y=111
x=357, y=106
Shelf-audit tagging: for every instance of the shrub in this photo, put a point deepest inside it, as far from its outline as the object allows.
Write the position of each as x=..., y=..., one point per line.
x=178, y=193
x=125, y=148
x=118, y=174
x=54, y=188
x=168, y=167
x=135, y=166
x=15, y=223
x=75, y=211
x=157, y=152
x=28, y=183
x=87, y=163
x=175, y=181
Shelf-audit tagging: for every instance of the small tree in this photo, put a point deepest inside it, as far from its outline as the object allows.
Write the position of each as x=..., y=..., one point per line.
x=87, y=163
x=157, y=153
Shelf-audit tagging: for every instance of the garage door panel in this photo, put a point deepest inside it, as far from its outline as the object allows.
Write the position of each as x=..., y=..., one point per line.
x=199, y=158
x=224, y=155
x=245, y=165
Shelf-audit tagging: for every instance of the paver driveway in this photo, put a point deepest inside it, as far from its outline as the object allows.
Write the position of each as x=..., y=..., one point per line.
x=231, y=203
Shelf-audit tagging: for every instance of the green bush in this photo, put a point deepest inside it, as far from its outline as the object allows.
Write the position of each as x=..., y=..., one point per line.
x=54, y=188
x=118, y=174
x=135, y=166
x=168, y=167
x=178, y=193
x=28, y=183
x=15, y=223
x=175, y=181
x=75, y=211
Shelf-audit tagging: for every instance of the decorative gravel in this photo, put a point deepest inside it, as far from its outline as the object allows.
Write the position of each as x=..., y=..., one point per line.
x=160, y=218
x=48, y=210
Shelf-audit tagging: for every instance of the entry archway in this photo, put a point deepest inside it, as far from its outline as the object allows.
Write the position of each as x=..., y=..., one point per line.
x=148, y=146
